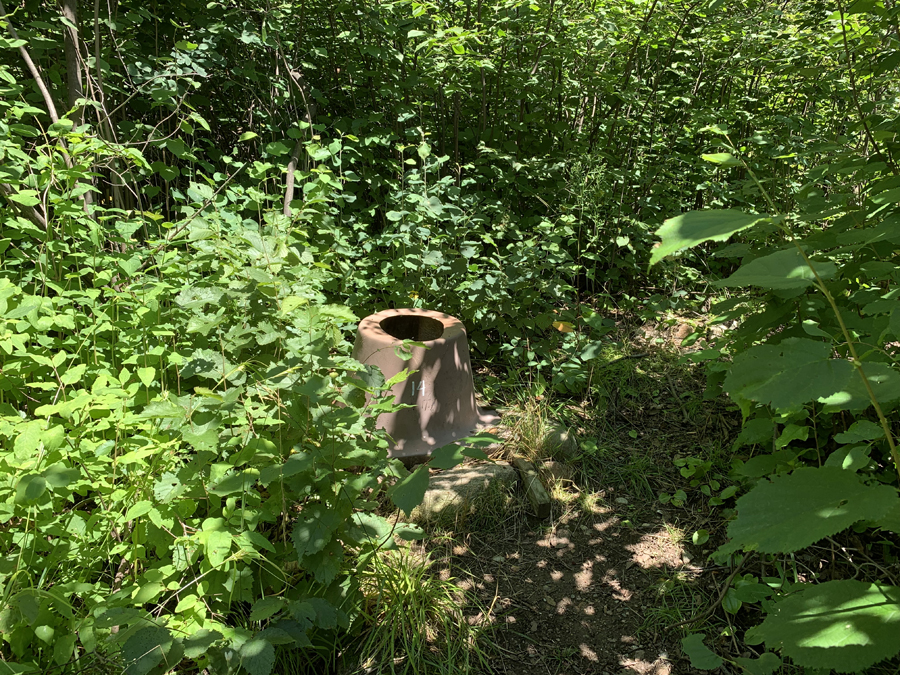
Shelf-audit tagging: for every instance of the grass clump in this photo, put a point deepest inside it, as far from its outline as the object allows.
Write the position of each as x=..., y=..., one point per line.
x=416, y=621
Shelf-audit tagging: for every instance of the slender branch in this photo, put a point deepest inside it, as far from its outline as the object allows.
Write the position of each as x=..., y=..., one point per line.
x=35, y=73
x=32, y=214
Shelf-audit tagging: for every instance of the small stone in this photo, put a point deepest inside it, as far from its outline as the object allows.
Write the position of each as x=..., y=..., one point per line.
x=561, y=443
x=621, y=500
x=563, y=533
x=533, y=627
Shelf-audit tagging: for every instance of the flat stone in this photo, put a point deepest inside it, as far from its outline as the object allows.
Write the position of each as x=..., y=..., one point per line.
x=621, y=500
x=459, y=488
x=560, y=442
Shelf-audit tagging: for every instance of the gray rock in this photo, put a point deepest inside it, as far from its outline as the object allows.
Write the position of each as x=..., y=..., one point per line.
x=461, y=487
x=560, y=442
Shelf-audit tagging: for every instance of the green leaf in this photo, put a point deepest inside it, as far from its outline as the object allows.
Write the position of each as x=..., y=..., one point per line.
x=264, y=608
x=258, y=656
x=790, y=512
x=781, y=270
x=399, y=377
x=864, y=430
x=25, y=197
x=198, y=644
x=695, y=227
x=766, y=664
x=145, y=649
x=447, y=457
x=314, y=529
x=700, y=537
x=883, y=379
x=218, y=547
x=722, y=159
x=137, y=510
x=731, y=603
x=891, y=521
x=30, y=488
x=326, y=564
x=787, y=375
x=409, y=492
x=326, y=613
x=247, y=136
x=700, y=655
x=73, y=375
x=842, y=626
x=146, y=375
x=752, y=592
x=850, y=457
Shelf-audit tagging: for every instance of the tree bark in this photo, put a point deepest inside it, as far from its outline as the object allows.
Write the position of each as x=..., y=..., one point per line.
x=72, y=46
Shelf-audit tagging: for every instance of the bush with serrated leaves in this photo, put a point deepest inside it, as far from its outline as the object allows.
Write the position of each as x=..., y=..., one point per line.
x=189, y=455
x=813, y=369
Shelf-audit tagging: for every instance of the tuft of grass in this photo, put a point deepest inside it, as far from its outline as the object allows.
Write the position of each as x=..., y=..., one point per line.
x=415, y=620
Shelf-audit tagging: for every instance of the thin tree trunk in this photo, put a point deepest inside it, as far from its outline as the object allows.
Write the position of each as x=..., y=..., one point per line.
x=71, y=44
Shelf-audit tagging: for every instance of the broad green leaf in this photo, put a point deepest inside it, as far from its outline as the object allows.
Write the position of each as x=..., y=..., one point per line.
x=791, y=433
x=891, y=520
x=146, y=375
x=722, y=159
x=326, y=613
x=447, y=457
x=788, y=375
x=849, y=457
x=883, y=379
x=137, y=510
x=700, y=655
x=863, y=430
x=789, y=512
x=198, y=644
x=752, y=592
x=73, y=374
x=258, y=656
x=326, y=564
x=247, y=136
x=842, y=626
x=409, y=492
x=30, y=488
x=218, y=547
x=314, y=529
x=145, y=649
x=399, y=377
x=766, y=664
x=695, y=227
x=265, y=607
x=781, y=270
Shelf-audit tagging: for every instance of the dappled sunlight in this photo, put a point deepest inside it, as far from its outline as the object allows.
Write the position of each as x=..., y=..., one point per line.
x=657, y=549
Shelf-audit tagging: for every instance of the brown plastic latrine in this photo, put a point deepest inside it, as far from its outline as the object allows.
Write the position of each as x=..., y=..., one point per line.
x=441, y=389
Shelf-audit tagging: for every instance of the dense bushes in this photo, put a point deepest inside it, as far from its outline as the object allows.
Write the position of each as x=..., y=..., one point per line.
x=190, y=468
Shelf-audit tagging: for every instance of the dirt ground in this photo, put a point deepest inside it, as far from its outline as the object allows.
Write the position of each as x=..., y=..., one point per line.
x=580, y=592
x=570, y=596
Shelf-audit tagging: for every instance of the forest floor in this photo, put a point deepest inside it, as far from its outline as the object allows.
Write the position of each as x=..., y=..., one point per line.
x=600, y=585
